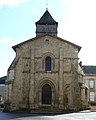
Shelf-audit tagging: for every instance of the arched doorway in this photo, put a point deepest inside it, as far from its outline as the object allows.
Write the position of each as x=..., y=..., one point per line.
x=46, y=94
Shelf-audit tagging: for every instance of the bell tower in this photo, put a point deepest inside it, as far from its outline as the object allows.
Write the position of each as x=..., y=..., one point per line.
x=46, y=24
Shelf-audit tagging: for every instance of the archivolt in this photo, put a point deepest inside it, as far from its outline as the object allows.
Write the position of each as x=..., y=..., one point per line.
x=46, y=81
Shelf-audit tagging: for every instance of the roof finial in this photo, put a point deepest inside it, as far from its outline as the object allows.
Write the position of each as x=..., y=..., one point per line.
x=46, y=5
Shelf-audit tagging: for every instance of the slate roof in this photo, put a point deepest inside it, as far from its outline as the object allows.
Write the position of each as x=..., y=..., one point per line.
x=2, y=80
x=89, y=70
x=46, y=19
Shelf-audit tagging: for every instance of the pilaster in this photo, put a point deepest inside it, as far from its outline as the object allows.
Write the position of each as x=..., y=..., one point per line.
x=32, y=76
x=61, y=104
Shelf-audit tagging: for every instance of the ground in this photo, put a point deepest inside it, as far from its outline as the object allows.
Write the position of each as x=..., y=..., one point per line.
x=84, y=115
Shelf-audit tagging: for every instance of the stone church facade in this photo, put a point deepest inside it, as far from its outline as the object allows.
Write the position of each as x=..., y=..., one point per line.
x=45, y=74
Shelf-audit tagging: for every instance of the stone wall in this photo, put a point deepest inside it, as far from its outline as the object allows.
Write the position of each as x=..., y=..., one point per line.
x=30, y=74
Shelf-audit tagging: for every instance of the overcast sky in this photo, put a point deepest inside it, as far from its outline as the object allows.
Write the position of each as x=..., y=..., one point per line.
x=76, y=20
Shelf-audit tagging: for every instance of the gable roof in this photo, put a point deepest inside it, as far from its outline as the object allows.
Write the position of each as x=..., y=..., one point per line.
x=46, y=19
x=42, y=35
x=89, y=69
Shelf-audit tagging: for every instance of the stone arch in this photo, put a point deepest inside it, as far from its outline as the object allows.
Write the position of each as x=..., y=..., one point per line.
x=48, y=54
x=49, y=82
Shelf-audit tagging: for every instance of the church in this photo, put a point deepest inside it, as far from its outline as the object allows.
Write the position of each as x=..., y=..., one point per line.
x=45, y=74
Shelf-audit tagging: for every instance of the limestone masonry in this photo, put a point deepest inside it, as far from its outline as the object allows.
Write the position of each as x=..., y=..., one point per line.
x=45, y=74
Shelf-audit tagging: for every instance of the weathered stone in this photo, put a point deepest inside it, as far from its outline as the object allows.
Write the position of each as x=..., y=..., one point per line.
x=62, y=89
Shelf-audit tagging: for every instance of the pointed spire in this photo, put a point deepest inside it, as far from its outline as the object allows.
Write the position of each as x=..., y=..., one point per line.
x=46, y=19
x=46, y=24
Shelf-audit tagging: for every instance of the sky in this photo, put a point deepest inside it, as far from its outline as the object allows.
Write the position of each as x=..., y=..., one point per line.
x=76, y=23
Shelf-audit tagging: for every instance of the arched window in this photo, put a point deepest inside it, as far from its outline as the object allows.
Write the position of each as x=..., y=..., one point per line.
x=48, y=63
x=46, y=94
x=91, y=84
